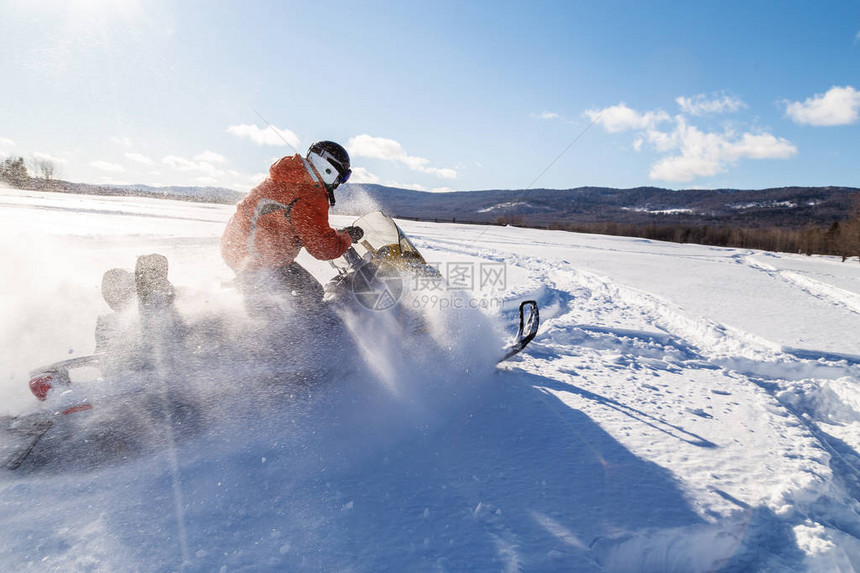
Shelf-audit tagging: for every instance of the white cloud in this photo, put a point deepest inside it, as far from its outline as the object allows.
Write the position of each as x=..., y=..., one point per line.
x=703, y=154
x=362, y=175
x=551, y=116
x=391, y=150
x=206, y=181
x=179, y=163
x=107, y=166
x=211, y=157
x=269, y=135
x=140, y=158
x=410, y=186
x=683, y=168
x=123, y=141
x=700, y=104
x=184, y=164
x=6, y=143
x=376, y=147
x=622, y=118
x=546, y=115
x=687, y=151
x=47, y=157
x=661, y=140
x=442, y=190
x=444, y=172
x=839, y=106
x=761, y=146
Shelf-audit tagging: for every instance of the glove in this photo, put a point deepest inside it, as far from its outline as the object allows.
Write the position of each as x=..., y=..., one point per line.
x=355, y=233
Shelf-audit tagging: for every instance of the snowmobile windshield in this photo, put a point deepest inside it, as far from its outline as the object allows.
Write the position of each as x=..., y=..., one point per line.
x=382, y=240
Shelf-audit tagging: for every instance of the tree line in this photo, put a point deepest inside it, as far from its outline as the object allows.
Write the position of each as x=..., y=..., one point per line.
x=841, y=239
x=15, y=171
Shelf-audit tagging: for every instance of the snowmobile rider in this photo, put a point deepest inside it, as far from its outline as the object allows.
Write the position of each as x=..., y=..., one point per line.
x=288, y=211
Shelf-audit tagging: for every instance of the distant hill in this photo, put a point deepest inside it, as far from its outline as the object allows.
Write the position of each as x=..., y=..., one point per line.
x=195, y=194
x=784, y=207
x=204, y=194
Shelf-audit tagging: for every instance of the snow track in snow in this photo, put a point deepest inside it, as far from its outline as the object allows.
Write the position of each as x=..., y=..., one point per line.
x=611, y=338
x=819, y=289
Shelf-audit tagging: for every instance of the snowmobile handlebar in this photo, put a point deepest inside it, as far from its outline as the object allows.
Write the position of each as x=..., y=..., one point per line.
x=353, y=258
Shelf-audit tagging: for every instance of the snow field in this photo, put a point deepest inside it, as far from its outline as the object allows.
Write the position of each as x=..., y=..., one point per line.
x=683, y=409
x=705, y=384
x=702, y=386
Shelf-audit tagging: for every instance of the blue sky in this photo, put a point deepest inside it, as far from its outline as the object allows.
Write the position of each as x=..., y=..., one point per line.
x=437, y=95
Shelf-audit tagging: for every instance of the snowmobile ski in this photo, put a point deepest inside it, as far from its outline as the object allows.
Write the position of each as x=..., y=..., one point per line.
x=21, y=434
x=28, y=433
x=527, y=330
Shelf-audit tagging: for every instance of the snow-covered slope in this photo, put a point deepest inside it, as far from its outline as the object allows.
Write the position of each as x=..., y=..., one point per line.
x=683, y=408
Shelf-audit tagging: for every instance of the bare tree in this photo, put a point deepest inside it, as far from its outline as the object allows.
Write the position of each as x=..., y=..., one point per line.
x=47, y=169
x=43, y=167
x=14, y=171
x=851, y=232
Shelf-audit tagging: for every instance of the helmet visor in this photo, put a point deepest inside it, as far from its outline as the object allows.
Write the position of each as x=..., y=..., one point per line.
x=329, y=169
x=344, y=177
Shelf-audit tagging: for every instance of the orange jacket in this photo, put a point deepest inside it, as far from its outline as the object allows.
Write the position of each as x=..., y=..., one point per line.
x=287, y=211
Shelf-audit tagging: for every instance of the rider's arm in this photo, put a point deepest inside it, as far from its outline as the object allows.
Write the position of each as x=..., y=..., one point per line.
x=310, y=221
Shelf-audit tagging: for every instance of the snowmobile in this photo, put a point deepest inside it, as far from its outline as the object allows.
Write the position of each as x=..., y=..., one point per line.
x=140, y=345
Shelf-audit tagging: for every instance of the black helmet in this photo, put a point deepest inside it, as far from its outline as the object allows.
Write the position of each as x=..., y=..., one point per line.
x=336, y=155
